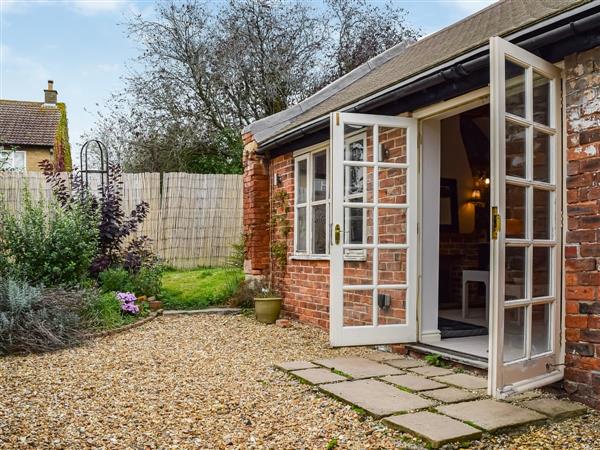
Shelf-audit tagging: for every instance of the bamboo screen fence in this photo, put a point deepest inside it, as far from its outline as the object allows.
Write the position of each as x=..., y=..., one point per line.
x=194, y=219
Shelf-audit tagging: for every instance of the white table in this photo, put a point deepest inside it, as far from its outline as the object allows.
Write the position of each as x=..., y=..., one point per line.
x=475, y=276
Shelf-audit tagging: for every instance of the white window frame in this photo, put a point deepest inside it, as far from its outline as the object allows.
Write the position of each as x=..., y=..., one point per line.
x=308, y=156
x=11, y=159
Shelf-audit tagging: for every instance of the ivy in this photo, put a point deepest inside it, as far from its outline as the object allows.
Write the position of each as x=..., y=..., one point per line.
x=62, y=148
x=281, y=225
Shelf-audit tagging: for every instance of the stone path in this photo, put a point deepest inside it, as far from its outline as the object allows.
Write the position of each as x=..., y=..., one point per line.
x=436, y=404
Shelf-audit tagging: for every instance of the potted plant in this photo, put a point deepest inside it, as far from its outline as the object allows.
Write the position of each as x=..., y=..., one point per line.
x=154, y=304
x=267, y=305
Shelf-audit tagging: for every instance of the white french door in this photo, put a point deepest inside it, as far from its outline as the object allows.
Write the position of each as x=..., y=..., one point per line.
x=373, y=285
x=526, y=188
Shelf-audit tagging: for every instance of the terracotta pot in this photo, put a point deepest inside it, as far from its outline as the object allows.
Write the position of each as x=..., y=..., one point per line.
x=267, y=309
x=155, y=305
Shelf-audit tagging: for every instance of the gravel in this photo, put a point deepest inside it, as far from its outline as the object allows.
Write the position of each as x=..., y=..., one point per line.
x=204, y=382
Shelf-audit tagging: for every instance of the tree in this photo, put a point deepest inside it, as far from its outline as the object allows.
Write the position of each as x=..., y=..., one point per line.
x=206, y=72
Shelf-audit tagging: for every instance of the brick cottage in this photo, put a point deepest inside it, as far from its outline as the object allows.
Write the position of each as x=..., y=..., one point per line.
x=445, y=196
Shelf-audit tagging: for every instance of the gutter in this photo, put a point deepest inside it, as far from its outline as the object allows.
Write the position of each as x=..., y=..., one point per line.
x=456, y=71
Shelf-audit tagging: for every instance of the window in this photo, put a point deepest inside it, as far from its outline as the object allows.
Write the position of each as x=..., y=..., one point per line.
x=12, y=160
x=311, y=204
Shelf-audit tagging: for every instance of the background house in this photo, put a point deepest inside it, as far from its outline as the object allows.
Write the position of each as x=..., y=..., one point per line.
x=31, y=132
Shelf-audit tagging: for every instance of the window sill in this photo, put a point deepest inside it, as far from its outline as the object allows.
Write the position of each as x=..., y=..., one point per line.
x=309, y=257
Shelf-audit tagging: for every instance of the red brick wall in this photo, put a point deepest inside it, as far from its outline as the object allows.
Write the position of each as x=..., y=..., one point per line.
x=582, y=248
x=303, y=283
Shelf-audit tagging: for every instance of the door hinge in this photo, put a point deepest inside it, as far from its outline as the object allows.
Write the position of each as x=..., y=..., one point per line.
x=496, y=223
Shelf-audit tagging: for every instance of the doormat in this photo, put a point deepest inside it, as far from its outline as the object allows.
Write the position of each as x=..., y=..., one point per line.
x=453, y=328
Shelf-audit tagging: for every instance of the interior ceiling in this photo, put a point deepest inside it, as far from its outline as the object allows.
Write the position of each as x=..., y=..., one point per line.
x=475, y=133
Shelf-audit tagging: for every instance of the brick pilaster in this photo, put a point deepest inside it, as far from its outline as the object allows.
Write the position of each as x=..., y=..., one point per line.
x=256, y=209
x=582, y=246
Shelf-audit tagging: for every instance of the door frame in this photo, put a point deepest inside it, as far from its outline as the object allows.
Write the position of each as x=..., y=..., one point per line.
x=429, y=118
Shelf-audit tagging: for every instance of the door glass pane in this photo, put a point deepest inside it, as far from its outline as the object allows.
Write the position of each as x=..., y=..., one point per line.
x=515, y=89
x=301, y=233
x=358, y=266
x=515, y=150
x=515, y=211
x=392, y=225
x=392, y=185
x=392, y=145
x=541, y=99
x=356, y=143
x=319, y=176
x=319, y=229
x=541, y=156
x=301, y=181
x=541, y=272
x=391, y=306
x=541, y=324
x=391, y=266
x=514, y=275
x=357, y=225
x=358, y=308
x=514, y=333
x=541, y=214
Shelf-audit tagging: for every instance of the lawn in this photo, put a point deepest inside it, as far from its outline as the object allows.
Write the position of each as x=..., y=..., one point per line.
x=200, y=288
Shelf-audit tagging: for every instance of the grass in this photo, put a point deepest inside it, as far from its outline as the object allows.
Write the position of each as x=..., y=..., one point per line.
x=199, y=288
x=104, y=313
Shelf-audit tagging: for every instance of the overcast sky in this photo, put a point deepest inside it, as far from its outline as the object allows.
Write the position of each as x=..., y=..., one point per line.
x=82, y=46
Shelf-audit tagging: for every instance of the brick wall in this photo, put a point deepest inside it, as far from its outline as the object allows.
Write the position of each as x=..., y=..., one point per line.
x=582, y=249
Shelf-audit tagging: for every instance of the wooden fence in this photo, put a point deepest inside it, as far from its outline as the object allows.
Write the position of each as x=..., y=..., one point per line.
x=194, y=219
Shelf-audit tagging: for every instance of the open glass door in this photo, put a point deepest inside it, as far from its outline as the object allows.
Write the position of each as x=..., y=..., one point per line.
x=526, y=230
x=373, y=287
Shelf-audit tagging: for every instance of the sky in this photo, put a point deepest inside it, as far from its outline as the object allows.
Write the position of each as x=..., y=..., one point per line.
x=82, y=45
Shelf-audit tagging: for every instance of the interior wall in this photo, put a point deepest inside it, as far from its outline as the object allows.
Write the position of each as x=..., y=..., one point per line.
x=455, y=165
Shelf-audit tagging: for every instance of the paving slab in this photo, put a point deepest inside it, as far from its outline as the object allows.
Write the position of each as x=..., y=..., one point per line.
x=527, y=395
x=431, y=371
x=491, y=415
x=296, y=365
x=452, y=395
x=463, y=380
x=414, y=382
x=406, y=363
x=436, y=429
x=377, y=398
x=554, y=408
x=384, y=356
x=318, y=376
x=359, y=367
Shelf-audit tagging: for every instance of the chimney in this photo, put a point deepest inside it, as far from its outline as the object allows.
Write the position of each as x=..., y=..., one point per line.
x=50, y=96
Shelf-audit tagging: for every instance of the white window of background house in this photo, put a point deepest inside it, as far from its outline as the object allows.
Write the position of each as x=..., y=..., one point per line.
x=311, y=208
x=12, y=160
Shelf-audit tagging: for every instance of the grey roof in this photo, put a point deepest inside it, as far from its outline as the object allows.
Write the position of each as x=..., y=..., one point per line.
x=28, y=123
x=402, y=62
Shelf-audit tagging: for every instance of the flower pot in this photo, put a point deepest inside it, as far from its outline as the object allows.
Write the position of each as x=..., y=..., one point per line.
x=155, y=305
x=267, y=309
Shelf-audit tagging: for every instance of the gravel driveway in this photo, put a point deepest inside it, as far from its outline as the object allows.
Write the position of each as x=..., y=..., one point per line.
x=203, y=382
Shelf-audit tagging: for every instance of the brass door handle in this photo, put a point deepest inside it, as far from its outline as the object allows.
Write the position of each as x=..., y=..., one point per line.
x=337, y=233
x=496, y=222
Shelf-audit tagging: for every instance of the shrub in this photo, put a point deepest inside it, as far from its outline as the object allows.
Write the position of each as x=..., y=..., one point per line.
x=46, y=244
x=116, y=279
x=238, y=253
x=147, y=281
x=37, y=320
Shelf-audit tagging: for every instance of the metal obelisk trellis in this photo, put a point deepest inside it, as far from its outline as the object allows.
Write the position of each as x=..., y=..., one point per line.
x=85, y=166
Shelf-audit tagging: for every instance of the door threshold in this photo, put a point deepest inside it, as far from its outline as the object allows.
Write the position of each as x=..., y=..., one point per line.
x=451, y=355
